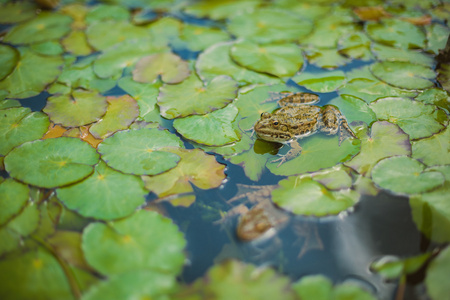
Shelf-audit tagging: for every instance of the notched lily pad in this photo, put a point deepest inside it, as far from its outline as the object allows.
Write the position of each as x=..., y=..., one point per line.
x=356, y=45
x=140, y=152
x=397, y=33
x=51, y=162
x=169, y=66
x=434, y=150
x=322, y=82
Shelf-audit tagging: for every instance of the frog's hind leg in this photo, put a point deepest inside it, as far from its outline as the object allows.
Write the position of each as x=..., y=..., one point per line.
x=345, y=131
x=334, y=122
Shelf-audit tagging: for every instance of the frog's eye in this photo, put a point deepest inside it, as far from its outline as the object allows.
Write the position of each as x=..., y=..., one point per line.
x=275, y=123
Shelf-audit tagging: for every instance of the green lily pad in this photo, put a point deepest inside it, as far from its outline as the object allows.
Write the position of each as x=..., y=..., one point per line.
x=169, y=66
x=437, y=35
x=397, y=33
x=13, y=197
x=192, y=97
x=356, y=45
x=319, y=152
x=253, y=163
x=104, y=12
x=9, y=57
x=434, y=150
x=25, y=223
x=19, y=125
x=384, y=140
x=305, y=10
x=195, y=168
x=8, y=103
x=439, y=269
x=165, y=30
x=231, y=279
x=326, y=58
x=404, y=175
x=126, y=247
x=140, y=151
x=12, y=12
x=220, y=9
x=44, y=27
x=29, y=78
x=404, y=74
x=48, y=48
x=140, y=284
x=362, y=84
x=393, y=268
x=121, y=112
x=322, y=82
x=116, y=194
x=216, y=61
x=336, y=178
x=444, y=76
x=80, y=108
x=198, y=38
x=213, y=129
x=51, y=162
x=417, y=119
x=33, y=275
x=305, y=196
x=282, y=60
x=438, y=97
x=76, y=43
x=269, y=25
x=354, y=109
x=387, y=53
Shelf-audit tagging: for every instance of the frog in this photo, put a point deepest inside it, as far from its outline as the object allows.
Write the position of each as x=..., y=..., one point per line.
x=297, y=118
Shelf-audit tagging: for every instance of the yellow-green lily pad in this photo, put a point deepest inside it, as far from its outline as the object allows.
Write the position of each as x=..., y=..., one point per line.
x=439, y=269
x=15, y=12
x=282, y=60
x=51, y=162
x=44, y=27
x=9, y=57
x=437, y=35
x=126, y=247
x=13, y=197
x=169, y=66
x=269, y=25
x=76, y=43
x=404, y=74
x=434, y=150
x=397, y=33
x=436, y=96
x=193, y=97
x=213, y=129
x=104, y=12
x=220, y=9
x=322, y=82
x=404, y=175
x=140, y=152
x=19, y=125
x=116, y=195
x=384, y=140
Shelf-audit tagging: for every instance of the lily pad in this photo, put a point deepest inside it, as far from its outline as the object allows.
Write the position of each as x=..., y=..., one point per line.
x=19, y=125
x=397, y=33
x=140, y=152
x=305, y=10
x=326, y=58
x=253, y=163
x=198, y=38
x=29, y=78
x=269, y=25
x=126, y=247
x=354, y=109
x=192, y=97
x=393, y=268
x=13, y=197
x=76, y=43
x=9, y=57
x=104, y=12
x=282, y=60
x=169, y=66
x=195, y=168
x=387, y=53
x=439, y=268
x=51, y=162
x=404, y=74
x=434, y=150
x=356, y=45
x=220, y=9
x=437, y=35
x=116, y=194
x=216, y=61
x=404, y=175
x=384, y=140
x=8, y=103
x=438, y=97
x=44, y=27
x=121, y=112
x=322, y=82
x=304, y=196
x=48, y=48
x=80, y=108
x=12, y=12
x=417, y=119
x=213, y=129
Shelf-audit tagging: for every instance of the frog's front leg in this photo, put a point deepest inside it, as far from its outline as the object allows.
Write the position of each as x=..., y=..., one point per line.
x=295, y=151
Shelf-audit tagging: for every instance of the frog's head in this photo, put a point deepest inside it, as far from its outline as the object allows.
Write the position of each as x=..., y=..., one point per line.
x=269, y=128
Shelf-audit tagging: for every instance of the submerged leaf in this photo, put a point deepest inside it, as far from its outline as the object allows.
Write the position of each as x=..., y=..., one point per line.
x=169, y=66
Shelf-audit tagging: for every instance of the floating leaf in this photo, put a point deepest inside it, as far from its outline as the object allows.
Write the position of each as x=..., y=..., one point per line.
x=438, y=97
x=76, y=43
x=322, y=82
x=437, y=35
x=384, y=140
x=44, y=27
x=404, y=175
x=404, y=74
x=444, y=76
x=121, y=112
x=326, y=58
x=19, y=125
x=304, y=196
x=51, y=162
x=126, y=247
x=169, y=66
x=14, y=12
x=269, y=25
x=414, y=118
x=140, y=151
x=253, y=163
x=116, y=194
x=29, y=78
x=9, y=57
x=393, y=268
x=198, y=38
x=13, y=197
x=216, y=61
x=371, y=13
x=195, y=168
x=104, y=12
x=387, y=53
x=397, y=33
x=48, y=48
x=8, y=103
x=166, y=29
x=192, y=97
x=356, y=45
x=439, y=269
x=213, y=129
x=335, y=178
x=305, y=10
x=282, y=60
x=434, y=150
x=354, y=109
x=220, y=9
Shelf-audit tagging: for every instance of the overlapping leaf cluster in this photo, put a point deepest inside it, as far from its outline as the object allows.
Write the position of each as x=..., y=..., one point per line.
x=90, y=158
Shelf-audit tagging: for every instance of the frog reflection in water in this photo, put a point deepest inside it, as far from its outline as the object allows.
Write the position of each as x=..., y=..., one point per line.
x=298, y=118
